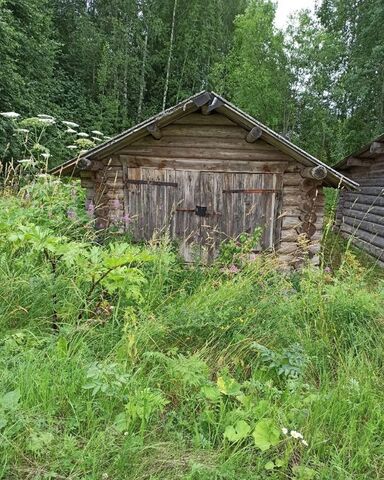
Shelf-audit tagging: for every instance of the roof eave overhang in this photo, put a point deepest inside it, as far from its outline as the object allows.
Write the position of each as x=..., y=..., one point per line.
x=191, y=104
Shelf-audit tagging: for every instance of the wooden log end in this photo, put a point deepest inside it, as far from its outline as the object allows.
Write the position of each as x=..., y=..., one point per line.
x=319, y=172
x=254, y=135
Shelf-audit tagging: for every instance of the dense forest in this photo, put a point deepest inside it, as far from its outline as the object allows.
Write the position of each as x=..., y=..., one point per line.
x=107, y=64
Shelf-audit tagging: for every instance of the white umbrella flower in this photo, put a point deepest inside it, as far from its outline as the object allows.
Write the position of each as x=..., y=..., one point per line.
x=21, y=130
x=46, y=117
x=70, y=124
x=82, y=134
x=10, y=114
x=46, y=155
x=70, y=130
x=97, y=132
x=97, y=139
x=72, y=147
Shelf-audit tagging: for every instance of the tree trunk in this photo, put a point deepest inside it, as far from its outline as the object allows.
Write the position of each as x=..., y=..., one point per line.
x=169, y=55
x=142, y=80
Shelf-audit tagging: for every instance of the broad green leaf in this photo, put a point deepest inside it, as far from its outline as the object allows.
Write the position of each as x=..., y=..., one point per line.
x=266, y=434
x=121, y=422
x=228, y=386
x=237, y=432
x=269, y=466
x=39, y=441
x=211, y=393
x=303, y=473
x=10, y=400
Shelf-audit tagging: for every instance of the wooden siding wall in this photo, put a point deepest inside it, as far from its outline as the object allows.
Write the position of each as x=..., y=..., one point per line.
x=360, y=214
x=214, y=143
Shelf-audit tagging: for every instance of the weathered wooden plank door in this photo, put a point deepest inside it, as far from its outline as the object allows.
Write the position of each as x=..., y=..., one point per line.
x=186, y=224
x=151, y=195
x=237, y=203
x=250, y=201
x=201, y=209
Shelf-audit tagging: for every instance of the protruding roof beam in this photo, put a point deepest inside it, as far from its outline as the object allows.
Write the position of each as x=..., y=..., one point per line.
x=87, y=164
x=377, y=148
x=202, y=99
x=253, y=135
x=316, y=173
x=154, y=130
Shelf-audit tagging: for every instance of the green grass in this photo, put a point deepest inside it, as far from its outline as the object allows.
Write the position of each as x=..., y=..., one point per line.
x=153, y=373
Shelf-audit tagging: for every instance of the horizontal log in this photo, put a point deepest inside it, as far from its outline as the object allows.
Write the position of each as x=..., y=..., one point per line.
x=376, y=210
x=372, y=250
x=203, y=153
x=287, y=247
x=364, y=199
x=365, y=235
x=205, y=165
x=363, y=215
x=292, y=180
x=366, y=225
x=205, y=142
x=198, y=119
x=204, y=131
x=316, y=173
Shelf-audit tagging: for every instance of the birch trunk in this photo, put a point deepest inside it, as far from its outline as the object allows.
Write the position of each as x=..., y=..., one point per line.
x=169, y=56
x=142, y=80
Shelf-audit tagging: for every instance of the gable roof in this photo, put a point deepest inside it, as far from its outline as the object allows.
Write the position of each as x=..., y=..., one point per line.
x=364, y=153
x=212, y=101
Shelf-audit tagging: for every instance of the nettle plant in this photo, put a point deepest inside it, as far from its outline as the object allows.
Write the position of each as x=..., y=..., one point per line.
x=98, y=271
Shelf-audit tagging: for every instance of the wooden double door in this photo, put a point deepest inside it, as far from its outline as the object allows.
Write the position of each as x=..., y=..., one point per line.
x=201, y=209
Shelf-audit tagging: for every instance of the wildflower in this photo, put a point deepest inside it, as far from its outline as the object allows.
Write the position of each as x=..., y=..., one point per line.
x=70, y=124
x=304, y=443
x=71, y=214
x=46, y=155
x=91, y=208
x=127, y=219
x=107, y=138
x=285, y=431
x=327, y=270
x=97, y=132
x=82, y=152
x=72, y=147
x=10, y=114
x=296, y=435
x=97, y=139
x=125, y=434
x=48, y=121
x=21, y=130
x=46, y=117
x=70, y=130
x=233, y=269
x=116, y=203
x=82, y=134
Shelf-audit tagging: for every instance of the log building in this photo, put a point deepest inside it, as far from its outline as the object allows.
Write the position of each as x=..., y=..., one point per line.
x=360, y=214
x=205, y=171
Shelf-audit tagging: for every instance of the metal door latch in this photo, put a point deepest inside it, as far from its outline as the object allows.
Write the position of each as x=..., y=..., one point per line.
x=201, y=211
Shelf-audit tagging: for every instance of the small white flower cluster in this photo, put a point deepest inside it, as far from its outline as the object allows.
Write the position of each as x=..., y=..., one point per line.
x=296, y=435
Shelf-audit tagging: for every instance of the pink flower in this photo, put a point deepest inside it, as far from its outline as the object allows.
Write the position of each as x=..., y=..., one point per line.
x=91, y=209
x=71, y=214
x=127, y=219
x=116, y=203
x=233, y=269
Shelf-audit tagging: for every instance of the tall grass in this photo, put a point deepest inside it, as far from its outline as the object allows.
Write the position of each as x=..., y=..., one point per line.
x=173, y=383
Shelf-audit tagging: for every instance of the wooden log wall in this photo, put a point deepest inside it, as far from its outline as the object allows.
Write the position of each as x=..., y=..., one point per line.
x=303, y=215
x=360, y=214
x=214, y=143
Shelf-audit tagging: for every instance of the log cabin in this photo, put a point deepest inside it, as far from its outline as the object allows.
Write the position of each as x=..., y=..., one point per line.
x=204, y=171
x=360, y=214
